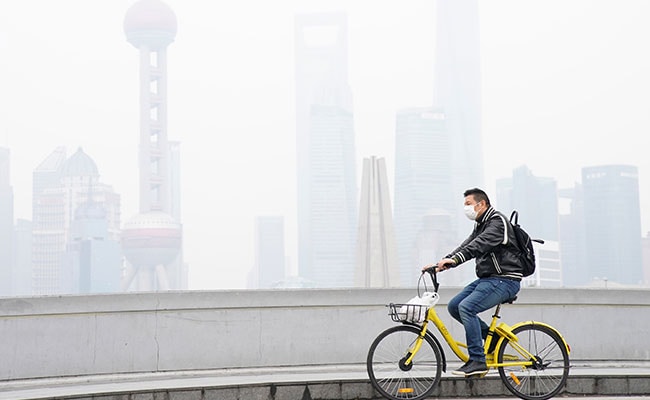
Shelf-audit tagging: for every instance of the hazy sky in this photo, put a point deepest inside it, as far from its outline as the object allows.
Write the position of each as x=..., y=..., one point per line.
x=566, y=84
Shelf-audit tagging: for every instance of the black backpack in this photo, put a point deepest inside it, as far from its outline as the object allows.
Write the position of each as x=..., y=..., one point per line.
x=524, y=245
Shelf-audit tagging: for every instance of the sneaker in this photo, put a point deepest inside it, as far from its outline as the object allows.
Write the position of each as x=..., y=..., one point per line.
x=471, y=368
x=461, y=371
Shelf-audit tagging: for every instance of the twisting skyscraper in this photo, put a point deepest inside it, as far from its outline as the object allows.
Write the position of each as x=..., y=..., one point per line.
x=457, y=90
x=326, y=175
x=438, y=149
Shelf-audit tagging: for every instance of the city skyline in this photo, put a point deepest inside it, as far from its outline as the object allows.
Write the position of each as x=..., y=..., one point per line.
x=586, y=88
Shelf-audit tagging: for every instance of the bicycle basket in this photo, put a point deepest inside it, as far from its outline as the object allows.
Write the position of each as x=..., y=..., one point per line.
x=407, y=312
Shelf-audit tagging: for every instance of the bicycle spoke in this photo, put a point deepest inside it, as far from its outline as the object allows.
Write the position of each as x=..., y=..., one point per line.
x=548, y=371
x=388, y=372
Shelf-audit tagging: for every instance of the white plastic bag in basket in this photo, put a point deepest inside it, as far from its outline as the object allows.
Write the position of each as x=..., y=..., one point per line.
x=415, y=310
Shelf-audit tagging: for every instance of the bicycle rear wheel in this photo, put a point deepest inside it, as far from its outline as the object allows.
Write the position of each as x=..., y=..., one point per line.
x=550, y=369
x=388, y=372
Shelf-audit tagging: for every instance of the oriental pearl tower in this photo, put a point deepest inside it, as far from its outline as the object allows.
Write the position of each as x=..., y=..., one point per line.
x=152, y=239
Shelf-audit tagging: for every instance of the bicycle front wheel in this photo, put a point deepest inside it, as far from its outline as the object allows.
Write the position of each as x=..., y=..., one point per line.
x=392, y=376
x=550, y=362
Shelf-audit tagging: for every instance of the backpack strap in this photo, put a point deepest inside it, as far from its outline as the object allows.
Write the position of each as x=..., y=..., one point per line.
x=514, y=217
x=505, y=227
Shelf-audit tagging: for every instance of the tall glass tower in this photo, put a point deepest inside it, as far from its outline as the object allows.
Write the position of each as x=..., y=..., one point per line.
x=269, y=251
x=326, y=177
x=536, y=200
x=7, y=270
x=457, y=90
x=612, y=223
x=422, y=181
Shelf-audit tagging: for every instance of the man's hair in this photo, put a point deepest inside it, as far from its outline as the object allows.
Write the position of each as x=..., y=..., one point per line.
x=478, y=195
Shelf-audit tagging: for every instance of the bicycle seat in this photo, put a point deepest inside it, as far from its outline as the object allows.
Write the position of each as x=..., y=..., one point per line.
x=509, y=301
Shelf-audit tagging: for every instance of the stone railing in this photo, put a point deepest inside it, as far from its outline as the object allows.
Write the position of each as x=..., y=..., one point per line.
x=54, y=336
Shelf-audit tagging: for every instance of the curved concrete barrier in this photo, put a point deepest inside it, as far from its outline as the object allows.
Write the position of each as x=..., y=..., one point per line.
x=58, y=336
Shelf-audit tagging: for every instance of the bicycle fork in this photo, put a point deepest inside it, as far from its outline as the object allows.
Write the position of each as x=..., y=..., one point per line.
x=406, y=362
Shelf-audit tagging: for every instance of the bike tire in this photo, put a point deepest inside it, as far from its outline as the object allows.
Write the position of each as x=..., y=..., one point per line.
x=388, y=374
x=547, y=377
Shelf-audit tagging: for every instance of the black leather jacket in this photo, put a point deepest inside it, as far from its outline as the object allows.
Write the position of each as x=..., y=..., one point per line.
x=491, y=243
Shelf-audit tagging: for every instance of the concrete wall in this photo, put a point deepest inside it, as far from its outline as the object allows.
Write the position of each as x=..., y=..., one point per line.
x=148, y=332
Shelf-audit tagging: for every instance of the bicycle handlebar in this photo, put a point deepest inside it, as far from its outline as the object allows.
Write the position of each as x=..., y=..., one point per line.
x=434, y=277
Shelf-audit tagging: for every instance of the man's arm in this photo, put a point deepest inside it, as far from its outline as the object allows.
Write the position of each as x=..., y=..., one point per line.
x=493, y=235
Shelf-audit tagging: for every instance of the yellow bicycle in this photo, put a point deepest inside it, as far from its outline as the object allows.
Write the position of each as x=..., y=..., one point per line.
x=406, y=361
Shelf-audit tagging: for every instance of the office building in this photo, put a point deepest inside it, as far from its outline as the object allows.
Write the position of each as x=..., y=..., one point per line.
x=7, y=270
x=573, y=248
x=326, y=167
x=92, y=261
x=269, y=252
x=612, y=223
x=422, y=181
x=457, y=90
x=54, y=211
x=22, y=276
x=536, y=200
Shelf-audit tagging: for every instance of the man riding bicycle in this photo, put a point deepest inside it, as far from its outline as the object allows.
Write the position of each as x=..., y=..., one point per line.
x=497, y=268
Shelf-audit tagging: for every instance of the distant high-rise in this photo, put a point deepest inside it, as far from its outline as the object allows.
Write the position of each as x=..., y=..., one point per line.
x=22, y=277
x=92, y=259
x=645, y=247
x=573, y=248
x=457, y=90
x=422, y=181
x=612, y=223
x=152, y=240
x=7, y=271
x=54, y=211
x=377, y=264
x=536, y=200
x=269, y=251
x=326, y=177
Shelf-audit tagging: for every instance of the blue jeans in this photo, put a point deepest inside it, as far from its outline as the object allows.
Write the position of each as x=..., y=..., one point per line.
x=478, y=296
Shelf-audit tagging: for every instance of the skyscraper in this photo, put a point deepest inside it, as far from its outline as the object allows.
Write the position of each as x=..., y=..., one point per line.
x=7, y=271
x=152, y=240
x=22, y=277
x=61, y=186
x=573, y=248
x=536, y=200
x=92, y=261
x=326, y=177
x=377, y=264
x=612, y=223
x=269, y=251
x=422, y=181
x=457, y=90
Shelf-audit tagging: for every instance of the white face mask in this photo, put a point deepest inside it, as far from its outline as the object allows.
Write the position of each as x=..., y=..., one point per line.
x=470, y=212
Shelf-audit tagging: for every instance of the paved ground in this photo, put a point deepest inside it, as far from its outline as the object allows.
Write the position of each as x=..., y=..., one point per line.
x=342, y=382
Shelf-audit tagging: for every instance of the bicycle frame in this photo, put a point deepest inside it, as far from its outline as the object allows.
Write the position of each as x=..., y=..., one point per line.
x=500, y=333
x=532, y=358
x=457, y=347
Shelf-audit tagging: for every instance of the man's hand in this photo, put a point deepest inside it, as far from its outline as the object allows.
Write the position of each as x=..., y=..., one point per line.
x=445, y=264
x=441, y=265
x=428, y=267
